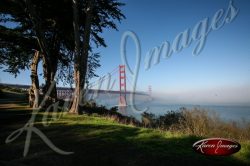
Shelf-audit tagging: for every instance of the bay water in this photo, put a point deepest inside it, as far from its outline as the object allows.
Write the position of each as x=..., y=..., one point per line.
x=159, y=107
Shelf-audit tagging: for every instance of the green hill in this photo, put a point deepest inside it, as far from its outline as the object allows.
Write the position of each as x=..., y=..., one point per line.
x=97, y=140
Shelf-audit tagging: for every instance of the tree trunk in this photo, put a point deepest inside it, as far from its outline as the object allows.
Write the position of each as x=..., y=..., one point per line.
x=81, y=57
x=74, y=108
x=49, y=62
x=49, y=71
x=34, y=91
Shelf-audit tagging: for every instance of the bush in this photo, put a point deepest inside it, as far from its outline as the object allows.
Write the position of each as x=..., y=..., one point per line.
x=91, y=108
x=171, y=120
x=197, y=122
x=148, y=120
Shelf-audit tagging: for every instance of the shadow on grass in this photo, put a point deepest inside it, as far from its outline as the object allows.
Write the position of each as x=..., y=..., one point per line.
x=95, y=144
x=99, y=144
x=8, y=117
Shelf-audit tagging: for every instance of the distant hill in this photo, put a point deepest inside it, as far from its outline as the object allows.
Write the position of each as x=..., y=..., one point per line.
x=26, y=87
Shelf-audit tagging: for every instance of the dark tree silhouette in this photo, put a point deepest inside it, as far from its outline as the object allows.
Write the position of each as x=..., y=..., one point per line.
x=97, y=15
x=61, y=31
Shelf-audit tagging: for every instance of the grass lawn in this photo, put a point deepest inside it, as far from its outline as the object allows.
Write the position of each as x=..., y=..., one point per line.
x=98, y=140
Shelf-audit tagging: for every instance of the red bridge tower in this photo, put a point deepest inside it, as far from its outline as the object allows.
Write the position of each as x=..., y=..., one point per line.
x=122, y=98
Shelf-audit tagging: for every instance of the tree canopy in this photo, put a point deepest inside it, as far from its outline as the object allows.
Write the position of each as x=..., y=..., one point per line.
x=47, y=26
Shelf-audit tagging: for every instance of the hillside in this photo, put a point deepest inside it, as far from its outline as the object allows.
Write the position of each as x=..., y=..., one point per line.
x=97, y=140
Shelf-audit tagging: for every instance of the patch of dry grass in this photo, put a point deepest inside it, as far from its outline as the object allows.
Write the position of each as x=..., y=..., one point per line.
x=200, y=123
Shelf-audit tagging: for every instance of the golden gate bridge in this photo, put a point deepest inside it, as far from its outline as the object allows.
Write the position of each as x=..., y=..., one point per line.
x=96, y=86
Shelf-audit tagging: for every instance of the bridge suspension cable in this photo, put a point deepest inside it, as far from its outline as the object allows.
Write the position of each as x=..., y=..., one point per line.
x=104, y=78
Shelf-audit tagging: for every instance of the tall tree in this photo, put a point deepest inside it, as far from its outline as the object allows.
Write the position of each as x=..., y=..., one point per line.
x=34, y=90
x=81, y=60
x=97, y=15
x=29, y=27
x=39, y=25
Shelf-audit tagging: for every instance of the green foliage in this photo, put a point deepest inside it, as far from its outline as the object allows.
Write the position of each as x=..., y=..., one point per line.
x=199, y=122
x=169, y=121
x=11, y=89
x=16, y=49
x=48, y=28
x=91, y=108
x=20, y=36
x=195, y=122
x=93, y=64
x=93, y=137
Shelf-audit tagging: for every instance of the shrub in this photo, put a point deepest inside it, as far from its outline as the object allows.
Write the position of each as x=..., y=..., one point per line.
x=195, y=121
x=199, y=122
x=171, y=120
x=148, y=120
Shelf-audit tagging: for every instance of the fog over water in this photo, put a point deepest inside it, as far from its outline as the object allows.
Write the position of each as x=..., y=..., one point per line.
x=159, y=106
